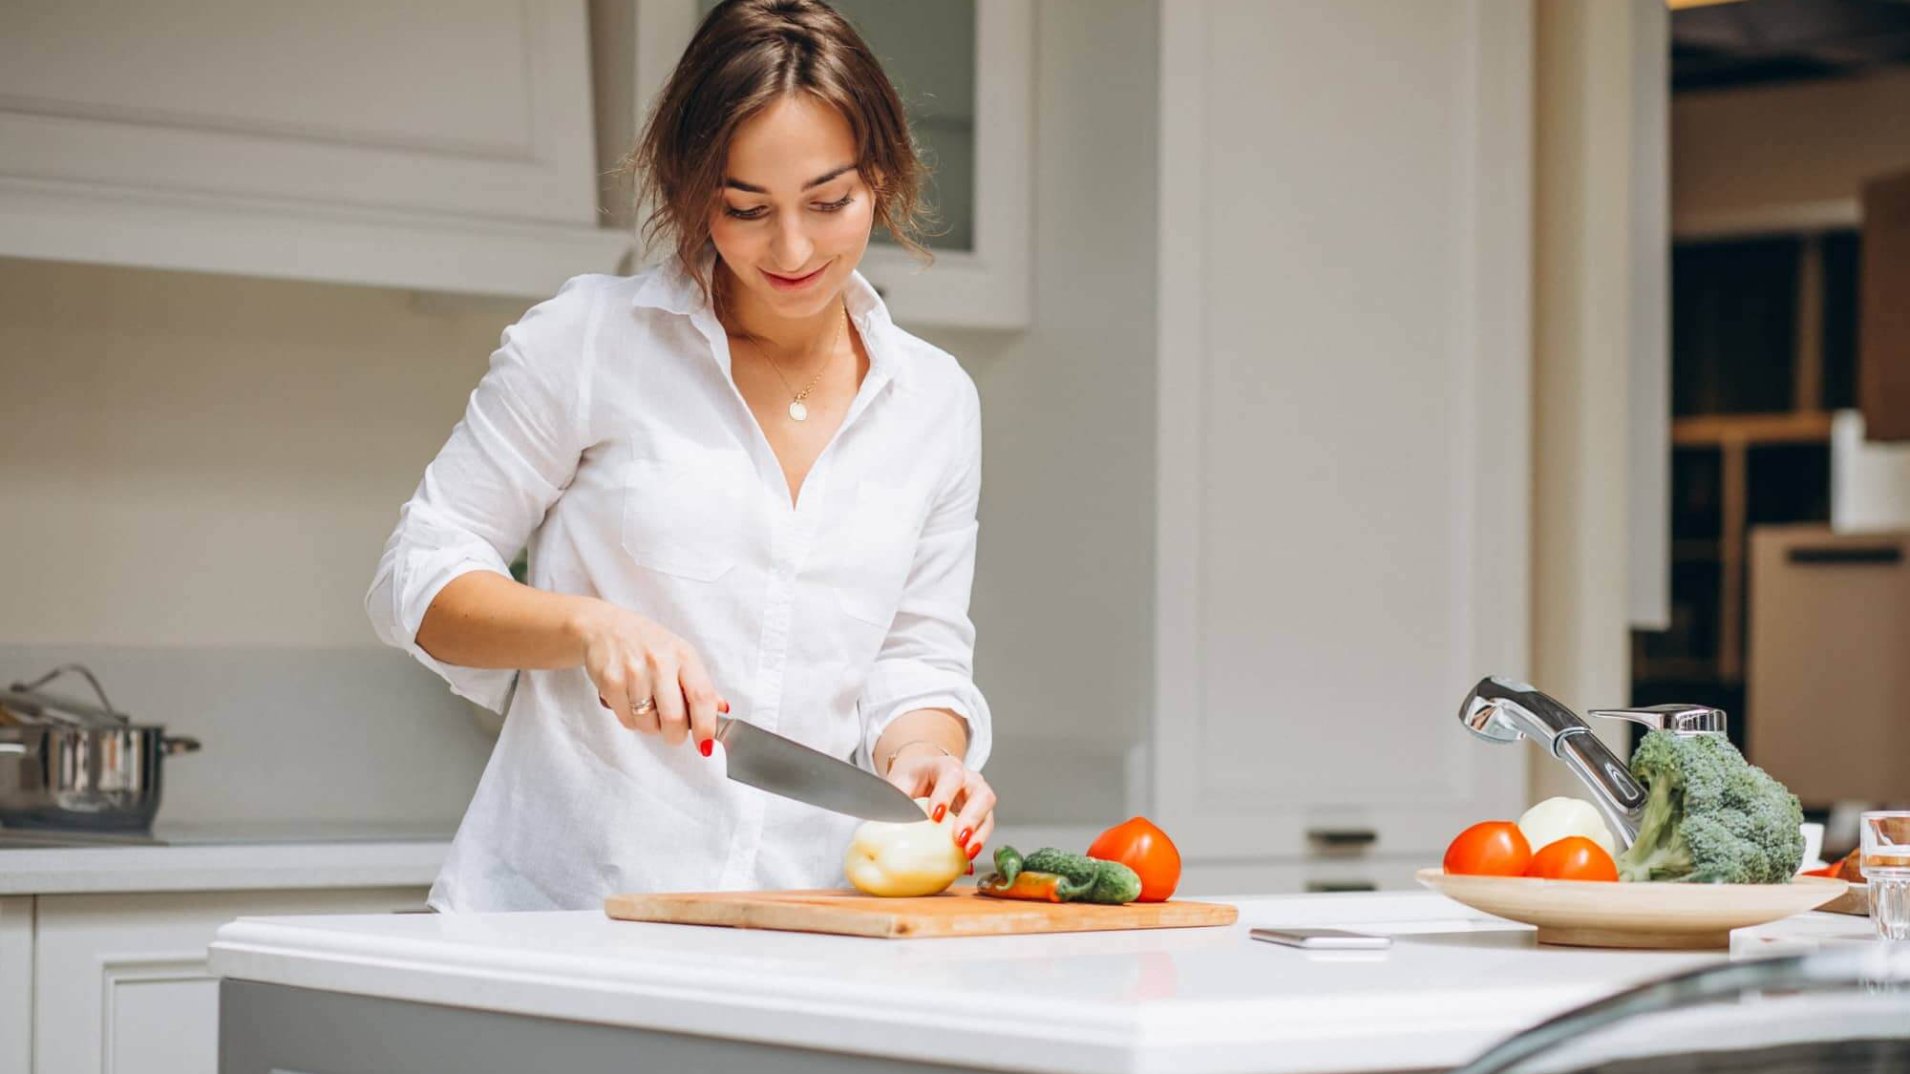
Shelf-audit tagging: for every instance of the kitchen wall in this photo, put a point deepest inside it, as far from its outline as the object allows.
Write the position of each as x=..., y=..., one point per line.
x=1785, y=156
x=201, y=471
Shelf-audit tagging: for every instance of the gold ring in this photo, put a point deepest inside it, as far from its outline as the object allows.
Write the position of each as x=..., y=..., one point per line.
x=646, y=706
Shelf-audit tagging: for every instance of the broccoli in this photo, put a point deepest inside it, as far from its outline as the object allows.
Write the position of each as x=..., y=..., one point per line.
x=1711, y=816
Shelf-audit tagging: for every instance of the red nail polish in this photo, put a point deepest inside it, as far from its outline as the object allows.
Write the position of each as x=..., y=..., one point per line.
x=706, y=747
x=962, y=838
x=723, y=707
x=972, y=851
x=971, y=869
x=940, y=812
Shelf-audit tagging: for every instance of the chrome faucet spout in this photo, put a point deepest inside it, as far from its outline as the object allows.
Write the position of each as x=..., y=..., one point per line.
x=1501, y=711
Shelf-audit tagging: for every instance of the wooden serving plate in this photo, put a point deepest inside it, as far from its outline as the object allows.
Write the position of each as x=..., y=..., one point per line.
x=956, y=912
x=1582, y=913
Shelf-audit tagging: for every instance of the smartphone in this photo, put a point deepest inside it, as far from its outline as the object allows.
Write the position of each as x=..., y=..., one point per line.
x=1323, y=939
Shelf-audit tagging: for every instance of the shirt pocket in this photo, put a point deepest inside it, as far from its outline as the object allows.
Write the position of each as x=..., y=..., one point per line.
x=683, y=516
x=884, y=526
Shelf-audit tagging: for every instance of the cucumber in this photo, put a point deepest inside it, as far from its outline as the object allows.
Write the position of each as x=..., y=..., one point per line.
x=1107, y=882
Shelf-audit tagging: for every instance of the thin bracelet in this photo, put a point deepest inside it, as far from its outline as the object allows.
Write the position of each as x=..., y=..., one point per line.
x=897, y=752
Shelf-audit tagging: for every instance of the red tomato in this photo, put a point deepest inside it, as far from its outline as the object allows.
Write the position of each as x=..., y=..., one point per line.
x=1572, y=858
x=1139, y=845
x=1489, y=848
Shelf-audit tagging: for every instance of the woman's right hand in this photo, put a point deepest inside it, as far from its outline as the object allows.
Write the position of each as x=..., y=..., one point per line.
x=631, y=658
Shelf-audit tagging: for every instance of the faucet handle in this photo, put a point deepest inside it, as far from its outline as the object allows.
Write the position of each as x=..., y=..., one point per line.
x=1678, y=719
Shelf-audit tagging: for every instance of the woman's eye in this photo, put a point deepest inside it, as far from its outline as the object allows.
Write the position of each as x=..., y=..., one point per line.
x=745, y=214
x=836, y=206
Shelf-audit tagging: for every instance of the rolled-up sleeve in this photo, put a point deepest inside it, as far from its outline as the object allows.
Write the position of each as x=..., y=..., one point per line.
x=506, y=462
x=927, y=660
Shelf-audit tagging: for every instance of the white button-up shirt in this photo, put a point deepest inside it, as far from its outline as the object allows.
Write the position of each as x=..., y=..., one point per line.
x=609, y=437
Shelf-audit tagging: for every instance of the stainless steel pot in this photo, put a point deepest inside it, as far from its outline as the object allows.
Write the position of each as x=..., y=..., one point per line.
x=97, y=779
x=68, y=764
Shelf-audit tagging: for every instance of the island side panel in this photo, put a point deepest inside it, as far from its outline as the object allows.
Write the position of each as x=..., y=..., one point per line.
x=268, y=1028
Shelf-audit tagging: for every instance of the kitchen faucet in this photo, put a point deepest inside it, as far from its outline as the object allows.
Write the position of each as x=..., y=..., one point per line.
x=1500, y=710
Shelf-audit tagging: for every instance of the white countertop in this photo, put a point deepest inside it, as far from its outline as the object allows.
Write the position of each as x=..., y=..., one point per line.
x=232, y=857
x=1183, y=1000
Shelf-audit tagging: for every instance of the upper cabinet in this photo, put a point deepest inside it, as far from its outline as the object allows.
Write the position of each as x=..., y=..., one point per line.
x=452, y=145
x=437, y=144
x=974, y=132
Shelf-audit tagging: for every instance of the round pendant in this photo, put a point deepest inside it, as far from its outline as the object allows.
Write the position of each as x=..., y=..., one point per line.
x=798, y=411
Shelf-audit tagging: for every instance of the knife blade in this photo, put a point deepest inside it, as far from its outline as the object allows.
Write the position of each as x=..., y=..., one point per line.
x=771, y=762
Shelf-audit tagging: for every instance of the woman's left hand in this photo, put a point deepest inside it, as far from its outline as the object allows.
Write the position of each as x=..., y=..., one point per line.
x=924, y=771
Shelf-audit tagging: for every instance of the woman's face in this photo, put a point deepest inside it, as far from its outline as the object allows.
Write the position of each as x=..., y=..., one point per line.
x=795, y=214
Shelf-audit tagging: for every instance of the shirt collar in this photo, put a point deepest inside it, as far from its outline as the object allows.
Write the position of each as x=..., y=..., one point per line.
x=673, y=288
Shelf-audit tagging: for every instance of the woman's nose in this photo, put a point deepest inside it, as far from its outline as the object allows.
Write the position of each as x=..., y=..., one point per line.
x=791, y=247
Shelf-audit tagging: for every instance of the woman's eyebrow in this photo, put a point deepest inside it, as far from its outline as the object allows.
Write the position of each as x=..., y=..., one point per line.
x=738, y=184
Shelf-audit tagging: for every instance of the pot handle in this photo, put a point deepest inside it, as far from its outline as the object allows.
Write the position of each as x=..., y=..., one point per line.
x=179, y=744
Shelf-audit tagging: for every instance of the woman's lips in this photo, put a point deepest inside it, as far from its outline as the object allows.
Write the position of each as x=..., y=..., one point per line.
x=792, y=283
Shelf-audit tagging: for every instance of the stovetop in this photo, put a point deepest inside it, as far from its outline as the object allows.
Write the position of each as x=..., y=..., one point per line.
x=240, y=833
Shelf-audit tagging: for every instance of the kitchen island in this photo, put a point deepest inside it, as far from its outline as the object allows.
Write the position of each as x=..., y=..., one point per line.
x=580, y=992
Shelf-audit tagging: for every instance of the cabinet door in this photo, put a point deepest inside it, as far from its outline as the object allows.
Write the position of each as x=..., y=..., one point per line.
x=443, y=144
x=120, y=984
x=16, y=984
x=478, y=106
x=1344, y=373
x=1883, y=365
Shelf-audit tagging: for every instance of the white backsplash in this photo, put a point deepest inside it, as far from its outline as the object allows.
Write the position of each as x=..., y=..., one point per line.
x=288, y=734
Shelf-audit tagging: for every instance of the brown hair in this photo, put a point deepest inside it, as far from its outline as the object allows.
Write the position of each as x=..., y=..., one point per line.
x=746, y=55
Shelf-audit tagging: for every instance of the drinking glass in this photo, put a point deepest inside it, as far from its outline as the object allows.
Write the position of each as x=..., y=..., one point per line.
x=1886, y=865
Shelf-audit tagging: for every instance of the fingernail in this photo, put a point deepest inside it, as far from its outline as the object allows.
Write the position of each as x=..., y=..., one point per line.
x=972, y=851
x=601, y=701
x=971, y=869
x=706, y=747
x=963, y=837
x=723, y=707
x=940, y=812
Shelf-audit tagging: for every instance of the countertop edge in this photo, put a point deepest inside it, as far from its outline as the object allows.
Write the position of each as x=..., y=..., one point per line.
x=236, y=867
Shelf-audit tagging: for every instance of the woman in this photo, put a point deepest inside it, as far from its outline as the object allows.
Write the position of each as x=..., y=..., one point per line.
x=744, y=492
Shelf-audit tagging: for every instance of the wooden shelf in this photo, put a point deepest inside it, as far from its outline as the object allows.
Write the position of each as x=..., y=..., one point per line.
x=1676, y=669
x=1717, y=430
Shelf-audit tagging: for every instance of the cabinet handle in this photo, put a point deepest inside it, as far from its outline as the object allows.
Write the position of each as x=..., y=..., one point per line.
x=1847, y=557
x=1343, y=838
x=1323, y=887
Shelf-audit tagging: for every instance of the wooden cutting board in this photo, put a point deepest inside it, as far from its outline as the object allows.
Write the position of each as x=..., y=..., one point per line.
x=956, y=912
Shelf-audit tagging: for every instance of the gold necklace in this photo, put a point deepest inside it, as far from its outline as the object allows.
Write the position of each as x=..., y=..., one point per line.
x=798, y=409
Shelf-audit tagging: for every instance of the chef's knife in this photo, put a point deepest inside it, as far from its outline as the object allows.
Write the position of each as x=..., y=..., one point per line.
x=770, y=762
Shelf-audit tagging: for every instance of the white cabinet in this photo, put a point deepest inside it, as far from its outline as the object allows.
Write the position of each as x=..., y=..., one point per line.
x=1344, y=460
x=119, y=982
x=16, y=984
x=965, y=69
x=448, y=145
x=438, y=144
x=1319, y=876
